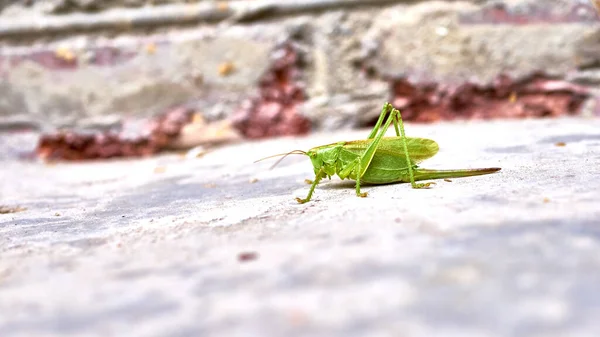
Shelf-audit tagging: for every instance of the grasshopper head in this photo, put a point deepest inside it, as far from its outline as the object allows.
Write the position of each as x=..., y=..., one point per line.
x=323, y=159
x=316, y=160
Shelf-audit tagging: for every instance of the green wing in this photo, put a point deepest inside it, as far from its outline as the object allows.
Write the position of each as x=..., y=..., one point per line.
x=389, y=161
x=419, y=149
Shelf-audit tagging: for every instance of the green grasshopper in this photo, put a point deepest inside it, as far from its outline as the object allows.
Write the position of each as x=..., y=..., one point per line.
x=379, y=159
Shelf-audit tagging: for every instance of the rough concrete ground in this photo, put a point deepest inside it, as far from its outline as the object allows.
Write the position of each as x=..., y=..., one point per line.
x=191, y=247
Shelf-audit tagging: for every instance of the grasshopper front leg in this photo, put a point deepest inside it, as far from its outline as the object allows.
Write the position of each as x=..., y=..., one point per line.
x=314, y=184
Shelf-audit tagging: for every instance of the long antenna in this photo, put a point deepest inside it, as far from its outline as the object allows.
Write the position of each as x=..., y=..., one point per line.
x=282, y=158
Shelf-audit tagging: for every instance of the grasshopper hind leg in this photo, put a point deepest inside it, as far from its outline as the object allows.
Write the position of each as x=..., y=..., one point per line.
x=399, y=127
x=358, y=170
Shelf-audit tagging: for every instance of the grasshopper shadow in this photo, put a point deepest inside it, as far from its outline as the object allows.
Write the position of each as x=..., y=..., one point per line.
x=349, y=184
x=337, y=185
x=573, y=138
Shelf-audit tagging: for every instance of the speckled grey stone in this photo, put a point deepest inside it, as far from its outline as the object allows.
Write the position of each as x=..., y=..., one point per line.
x=115, y=248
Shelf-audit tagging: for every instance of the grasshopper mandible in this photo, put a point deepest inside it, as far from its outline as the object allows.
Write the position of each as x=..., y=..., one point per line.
x=379, y=159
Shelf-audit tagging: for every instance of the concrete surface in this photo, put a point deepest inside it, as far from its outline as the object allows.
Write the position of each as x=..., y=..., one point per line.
x=170, y=246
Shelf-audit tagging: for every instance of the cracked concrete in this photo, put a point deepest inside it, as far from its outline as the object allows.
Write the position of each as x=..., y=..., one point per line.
x=217, y=246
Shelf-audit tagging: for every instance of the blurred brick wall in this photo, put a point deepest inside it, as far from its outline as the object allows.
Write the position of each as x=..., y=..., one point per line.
x=350, y=59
